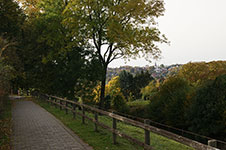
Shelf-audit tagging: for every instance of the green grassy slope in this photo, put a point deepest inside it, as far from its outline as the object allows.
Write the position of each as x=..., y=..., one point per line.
x=102, y=140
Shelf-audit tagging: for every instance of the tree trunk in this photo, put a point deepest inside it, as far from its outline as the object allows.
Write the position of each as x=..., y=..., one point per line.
x=103, y=82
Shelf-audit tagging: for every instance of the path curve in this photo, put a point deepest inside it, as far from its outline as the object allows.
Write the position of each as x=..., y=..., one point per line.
x=36, y=129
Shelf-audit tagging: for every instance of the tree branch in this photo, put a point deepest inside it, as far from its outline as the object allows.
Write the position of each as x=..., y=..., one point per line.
x=110, y=54
x=108, y=49
x=116, y=56
x=95, y=42
x=6, y=46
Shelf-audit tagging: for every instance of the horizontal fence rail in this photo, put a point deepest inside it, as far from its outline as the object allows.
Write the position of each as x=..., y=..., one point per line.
x=64, y=105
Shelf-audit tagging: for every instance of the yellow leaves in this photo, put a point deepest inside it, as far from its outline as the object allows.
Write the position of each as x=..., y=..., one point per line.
x=112, y=88
x=30, y=6
x=96, y=93
x=200, y=71
x=148, y=89
x=114, y=83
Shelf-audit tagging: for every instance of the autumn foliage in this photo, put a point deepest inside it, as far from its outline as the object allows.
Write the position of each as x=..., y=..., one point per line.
x=194, y=99
x=198, y=73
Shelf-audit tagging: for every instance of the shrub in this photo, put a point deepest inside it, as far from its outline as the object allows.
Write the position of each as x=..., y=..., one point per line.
x=207, y=113
x=138, y=108
x=118, y=102
x=168, y=104
x=150, y=90
x=107, y=102
x=6, y=75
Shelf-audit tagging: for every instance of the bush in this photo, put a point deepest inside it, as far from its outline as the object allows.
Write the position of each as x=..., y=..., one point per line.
x=6, y=75
x=168, y=105
x=207, y=113
x=107, y=102
x=118, y=103
x=150, y=90
x=138, y=103
x=138, y=108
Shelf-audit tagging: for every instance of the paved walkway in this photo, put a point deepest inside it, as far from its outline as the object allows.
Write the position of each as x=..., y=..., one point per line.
x=36, y=129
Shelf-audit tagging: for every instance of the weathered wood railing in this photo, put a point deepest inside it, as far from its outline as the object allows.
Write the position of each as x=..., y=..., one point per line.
x=64, y=104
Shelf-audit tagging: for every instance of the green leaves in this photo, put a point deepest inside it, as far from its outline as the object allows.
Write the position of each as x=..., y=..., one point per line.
x=206, y=113
x=6, y=75
x=117, y=24
x=11, y=18
x=116, y=28
x=168, y=104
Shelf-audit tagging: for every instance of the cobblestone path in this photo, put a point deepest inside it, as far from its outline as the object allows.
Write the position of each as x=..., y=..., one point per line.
x=36, y=129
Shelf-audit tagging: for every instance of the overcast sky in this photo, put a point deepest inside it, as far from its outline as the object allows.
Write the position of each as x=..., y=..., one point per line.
x=196, y=30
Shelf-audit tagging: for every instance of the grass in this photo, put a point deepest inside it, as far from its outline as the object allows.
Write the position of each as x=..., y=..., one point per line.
x=102, y=140
x=5, y=124
x=138, y=103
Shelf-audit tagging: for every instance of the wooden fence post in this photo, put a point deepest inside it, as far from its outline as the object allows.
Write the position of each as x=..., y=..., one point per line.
x=114, y=126
x=96, y=119
x=147, y=133
x=51, y=101
x=66, y=104
x=48, y=100
x=60, y=105
x=74, y=111
x=55, y=103
x=83, y=115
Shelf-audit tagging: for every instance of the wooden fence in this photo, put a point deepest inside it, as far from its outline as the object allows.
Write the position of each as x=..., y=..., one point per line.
x=72, y=106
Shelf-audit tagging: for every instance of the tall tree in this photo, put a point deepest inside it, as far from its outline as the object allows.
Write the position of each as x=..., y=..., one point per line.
x=11, y=18
x=51, y=63
x=126, y=83
x=116, y=28
x=140, y=81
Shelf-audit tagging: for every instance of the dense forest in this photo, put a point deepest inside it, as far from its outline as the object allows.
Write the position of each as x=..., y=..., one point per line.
x=55, y=47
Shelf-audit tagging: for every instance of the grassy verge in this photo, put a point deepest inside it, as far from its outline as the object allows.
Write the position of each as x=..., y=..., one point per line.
x=5, y=124
x=138, y=103
x=138, y=108
x=102, y=140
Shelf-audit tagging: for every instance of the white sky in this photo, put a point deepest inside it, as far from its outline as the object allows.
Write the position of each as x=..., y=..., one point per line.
x=196, y=30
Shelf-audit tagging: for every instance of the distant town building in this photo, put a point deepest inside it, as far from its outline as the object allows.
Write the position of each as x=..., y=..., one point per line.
x=156, y=71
